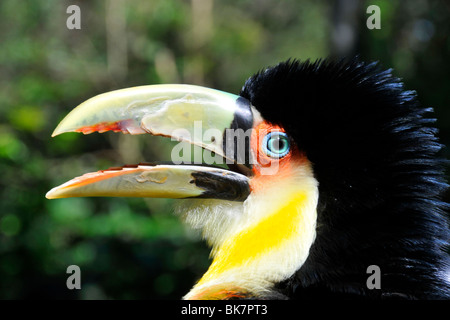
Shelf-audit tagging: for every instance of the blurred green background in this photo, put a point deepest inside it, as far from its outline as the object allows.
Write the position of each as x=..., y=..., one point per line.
x=136, y=248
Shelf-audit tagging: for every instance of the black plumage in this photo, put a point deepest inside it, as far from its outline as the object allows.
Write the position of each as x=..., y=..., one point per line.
x=375, y=154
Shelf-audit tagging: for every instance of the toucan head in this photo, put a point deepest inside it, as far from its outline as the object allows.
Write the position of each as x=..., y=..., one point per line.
x=331, y=168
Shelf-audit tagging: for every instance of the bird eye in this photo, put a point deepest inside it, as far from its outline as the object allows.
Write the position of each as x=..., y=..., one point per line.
x=276, y=144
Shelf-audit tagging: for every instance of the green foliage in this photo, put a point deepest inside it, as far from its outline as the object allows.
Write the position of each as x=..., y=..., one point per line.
x=136, y=248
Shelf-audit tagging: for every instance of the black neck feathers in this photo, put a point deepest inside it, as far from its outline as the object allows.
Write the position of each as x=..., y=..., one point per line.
x=374, y=152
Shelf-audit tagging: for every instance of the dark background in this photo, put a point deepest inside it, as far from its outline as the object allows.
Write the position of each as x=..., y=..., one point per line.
x=136, y=248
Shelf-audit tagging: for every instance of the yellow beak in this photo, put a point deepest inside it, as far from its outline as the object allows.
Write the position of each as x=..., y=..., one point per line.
x=198, y=115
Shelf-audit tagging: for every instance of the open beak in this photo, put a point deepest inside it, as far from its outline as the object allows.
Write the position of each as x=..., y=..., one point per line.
x=204, y=117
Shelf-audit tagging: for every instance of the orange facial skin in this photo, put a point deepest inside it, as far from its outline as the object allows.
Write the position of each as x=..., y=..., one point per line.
x=266, y=166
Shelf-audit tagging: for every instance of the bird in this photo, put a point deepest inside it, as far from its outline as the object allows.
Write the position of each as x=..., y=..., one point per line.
x=329, y=168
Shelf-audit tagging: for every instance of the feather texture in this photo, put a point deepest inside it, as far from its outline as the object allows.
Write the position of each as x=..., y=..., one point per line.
x=374, y=152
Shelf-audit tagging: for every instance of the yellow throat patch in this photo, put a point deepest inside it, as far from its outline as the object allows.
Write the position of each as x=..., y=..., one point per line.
x=269, y=244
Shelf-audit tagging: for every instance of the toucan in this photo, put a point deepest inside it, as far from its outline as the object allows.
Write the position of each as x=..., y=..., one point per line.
x=331, y=171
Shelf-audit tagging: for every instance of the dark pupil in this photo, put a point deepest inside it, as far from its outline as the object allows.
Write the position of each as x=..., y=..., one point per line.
x=276, y=144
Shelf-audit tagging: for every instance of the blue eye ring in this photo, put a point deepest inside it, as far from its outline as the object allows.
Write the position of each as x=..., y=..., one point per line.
x=276, y=144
